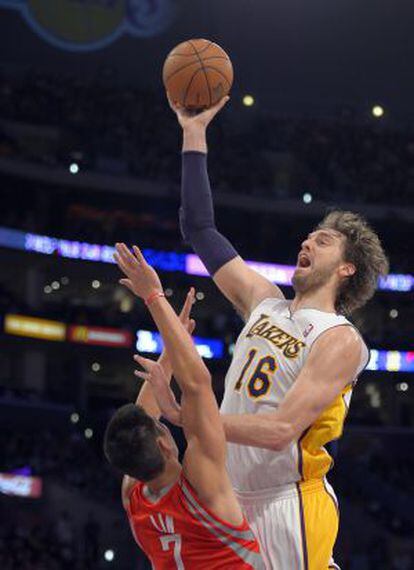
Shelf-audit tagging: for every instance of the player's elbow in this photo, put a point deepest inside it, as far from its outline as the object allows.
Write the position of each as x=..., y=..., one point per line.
x=198, y=379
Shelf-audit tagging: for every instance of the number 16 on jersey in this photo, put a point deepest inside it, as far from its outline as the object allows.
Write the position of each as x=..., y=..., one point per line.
x=259, y=381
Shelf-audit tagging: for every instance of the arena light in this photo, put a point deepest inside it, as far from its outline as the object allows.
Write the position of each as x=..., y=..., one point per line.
x=74, y=168
x=378, y=111
x=393, y=313
x=164, y=260
x=391, y=361
x=96, y=367
x=20, y=485
x=109, y=555
x=248, y=101
x=151, y=342
x=74, y=418
x=96, y=284
x=307, y=198
x=88, y=433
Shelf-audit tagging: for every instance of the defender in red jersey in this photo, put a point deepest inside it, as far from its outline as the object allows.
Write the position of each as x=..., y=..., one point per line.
x=182, y=516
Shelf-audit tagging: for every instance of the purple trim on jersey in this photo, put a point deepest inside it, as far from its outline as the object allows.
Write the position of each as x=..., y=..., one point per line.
x=300, y=453
x=332, y=497
x=197, y=214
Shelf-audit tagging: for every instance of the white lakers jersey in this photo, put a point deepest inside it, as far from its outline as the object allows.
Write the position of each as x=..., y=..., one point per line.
x=269, y=355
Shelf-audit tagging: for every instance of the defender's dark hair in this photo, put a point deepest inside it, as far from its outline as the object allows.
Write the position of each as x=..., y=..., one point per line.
x=362, y=248
x=130, y=443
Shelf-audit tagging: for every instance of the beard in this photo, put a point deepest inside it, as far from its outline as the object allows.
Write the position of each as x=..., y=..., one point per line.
x=305, y=282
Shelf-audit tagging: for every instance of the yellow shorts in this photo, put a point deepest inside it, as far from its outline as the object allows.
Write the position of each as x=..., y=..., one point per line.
x=296, y=524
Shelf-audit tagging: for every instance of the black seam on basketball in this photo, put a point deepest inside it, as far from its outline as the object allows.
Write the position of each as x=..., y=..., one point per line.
x=205, y=48
x=180, y=69
x=191, y=54
x=219, y=72
x=189, y=85
x=192, y=63
x=204, y=71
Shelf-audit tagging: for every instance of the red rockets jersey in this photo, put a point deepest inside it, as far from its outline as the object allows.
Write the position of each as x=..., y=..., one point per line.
x=178, y=532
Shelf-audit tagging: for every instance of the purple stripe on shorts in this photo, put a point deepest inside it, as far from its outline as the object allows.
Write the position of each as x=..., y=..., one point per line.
x=303, y=528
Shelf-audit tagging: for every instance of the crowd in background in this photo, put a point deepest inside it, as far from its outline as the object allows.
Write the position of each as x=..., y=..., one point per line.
x=121, y=130
x=33, y=543
x=68, y=458
x=58, y=541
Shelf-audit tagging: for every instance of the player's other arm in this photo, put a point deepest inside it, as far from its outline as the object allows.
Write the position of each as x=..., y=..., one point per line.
x=238, y=282
x=331, y=366
x=205, y=456
x=206, y=447
x=146, y=398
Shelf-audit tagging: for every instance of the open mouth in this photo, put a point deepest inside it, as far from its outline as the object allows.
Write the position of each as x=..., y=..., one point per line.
x=303, y=261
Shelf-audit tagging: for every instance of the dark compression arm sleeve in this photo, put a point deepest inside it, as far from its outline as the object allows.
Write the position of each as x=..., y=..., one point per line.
x=197, y=214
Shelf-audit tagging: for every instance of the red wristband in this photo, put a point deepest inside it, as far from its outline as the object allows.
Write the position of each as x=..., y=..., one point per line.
x=153, y=296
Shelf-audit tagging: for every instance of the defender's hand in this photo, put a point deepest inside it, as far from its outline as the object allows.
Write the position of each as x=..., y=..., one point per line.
x=155, y=375
x=189, y=325
x=141, y=279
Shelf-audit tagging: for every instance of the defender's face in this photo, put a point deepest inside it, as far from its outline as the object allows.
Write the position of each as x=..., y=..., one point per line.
x=319, y=259
x=168, y=445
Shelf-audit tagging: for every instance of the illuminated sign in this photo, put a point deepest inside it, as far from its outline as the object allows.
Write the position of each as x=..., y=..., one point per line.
x=280, y=274
x=20, y=485
x=391, y=361
x=100, y=336
x=151, y=342
x=34, y=327
x=165, y=260
x=86, y=25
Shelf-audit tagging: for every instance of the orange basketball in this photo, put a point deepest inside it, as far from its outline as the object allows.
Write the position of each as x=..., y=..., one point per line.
x=197, y=74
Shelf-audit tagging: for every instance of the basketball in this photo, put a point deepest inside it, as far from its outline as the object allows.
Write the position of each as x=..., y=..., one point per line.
x=197, y=74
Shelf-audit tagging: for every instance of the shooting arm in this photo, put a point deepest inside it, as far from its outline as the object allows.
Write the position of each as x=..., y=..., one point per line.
x=244, y=288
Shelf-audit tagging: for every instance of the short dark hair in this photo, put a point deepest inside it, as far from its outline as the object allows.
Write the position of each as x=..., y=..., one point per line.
x=130, y=443
x=362, y=248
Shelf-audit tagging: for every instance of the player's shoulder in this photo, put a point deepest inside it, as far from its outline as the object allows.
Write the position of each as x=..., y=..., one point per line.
x=271, y=305
x=346, y=338
x=128, y=487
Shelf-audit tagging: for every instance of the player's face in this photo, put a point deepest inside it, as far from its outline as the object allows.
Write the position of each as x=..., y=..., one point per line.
x=319, y=261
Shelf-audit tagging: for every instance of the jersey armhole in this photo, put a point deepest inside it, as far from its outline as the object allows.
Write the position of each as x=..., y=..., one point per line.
x=361, y=368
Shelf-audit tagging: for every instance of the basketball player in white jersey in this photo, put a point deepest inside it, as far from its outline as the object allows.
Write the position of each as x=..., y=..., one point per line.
x=295, y=364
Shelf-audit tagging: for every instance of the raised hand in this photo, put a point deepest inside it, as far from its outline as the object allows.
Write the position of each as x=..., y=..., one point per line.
x=141, y=279
x=184, y=316
x=155, y=375
x=190, y=120
x=189, y=325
